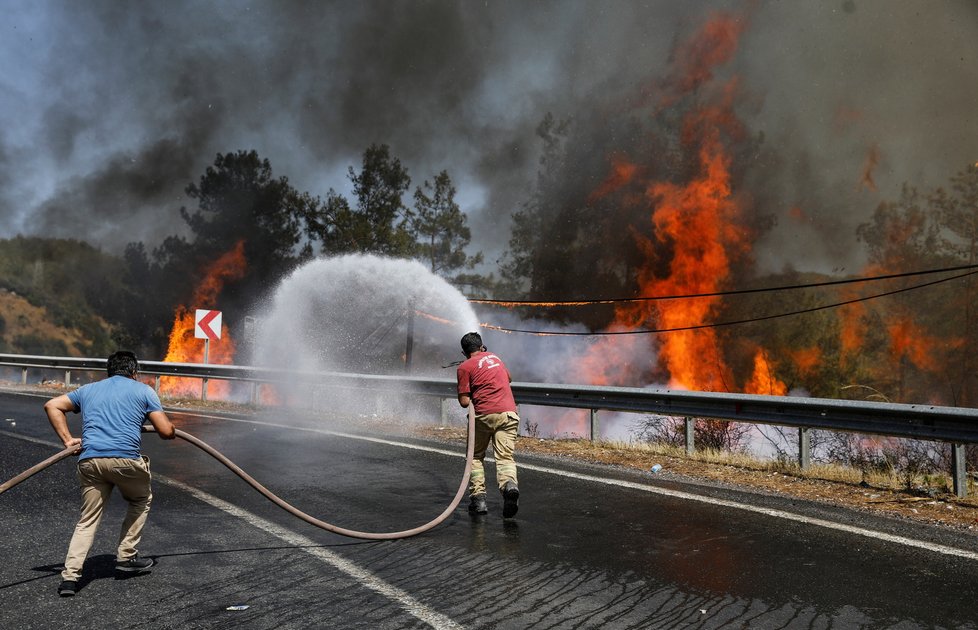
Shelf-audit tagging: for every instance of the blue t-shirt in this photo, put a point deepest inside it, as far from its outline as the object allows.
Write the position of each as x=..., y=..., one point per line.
x=113, y=411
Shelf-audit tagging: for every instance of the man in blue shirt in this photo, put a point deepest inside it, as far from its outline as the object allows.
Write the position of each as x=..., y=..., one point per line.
x=113, y=411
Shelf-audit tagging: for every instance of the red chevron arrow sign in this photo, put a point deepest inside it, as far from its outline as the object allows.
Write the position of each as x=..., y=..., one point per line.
x=207, y=324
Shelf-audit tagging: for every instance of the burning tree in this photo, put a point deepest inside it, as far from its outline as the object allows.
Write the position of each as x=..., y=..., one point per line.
x=243, y=211
x=183, y=345
x=670, y=219
x=958, y=214
x=238, y=201
x=650, y=196
x=925, y=338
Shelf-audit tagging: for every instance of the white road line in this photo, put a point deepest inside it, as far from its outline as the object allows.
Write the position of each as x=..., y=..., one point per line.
x=677, y=494
x=361, y=575
x=411, y=605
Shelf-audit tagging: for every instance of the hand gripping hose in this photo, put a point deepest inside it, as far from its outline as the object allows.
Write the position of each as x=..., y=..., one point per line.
x=470, y=448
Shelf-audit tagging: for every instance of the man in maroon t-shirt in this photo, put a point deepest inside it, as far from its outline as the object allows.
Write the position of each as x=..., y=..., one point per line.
x=483, y=381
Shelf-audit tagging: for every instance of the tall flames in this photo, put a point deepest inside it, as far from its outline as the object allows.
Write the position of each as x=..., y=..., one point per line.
x=699, y=224
x=699, y=235
x=184, y=347
x=697, y=244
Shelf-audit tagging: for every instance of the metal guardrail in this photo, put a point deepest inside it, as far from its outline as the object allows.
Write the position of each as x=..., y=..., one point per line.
x=956, y=425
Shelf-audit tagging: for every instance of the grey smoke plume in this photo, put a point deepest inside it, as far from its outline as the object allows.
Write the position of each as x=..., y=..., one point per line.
x=113, y=108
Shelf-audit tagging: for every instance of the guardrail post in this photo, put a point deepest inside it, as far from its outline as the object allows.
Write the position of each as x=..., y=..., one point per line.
x=203, y=388
x=959, y=473
x=254, y=392
x=690, y=425
x=67, y=378
x=23, y=376
x=156, y=384
x=804, y=447
x=594, y=424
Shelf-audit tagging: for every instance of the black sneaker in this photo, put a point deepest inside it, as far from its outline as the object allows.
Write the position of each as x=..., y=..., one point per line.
x=134, y=563
x=511, y=499
x=68, y=588
x=477, y=504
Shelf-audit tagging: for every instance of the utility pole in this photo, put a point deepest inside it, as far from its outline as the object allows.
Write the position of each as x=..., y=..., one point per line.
x=409, y=350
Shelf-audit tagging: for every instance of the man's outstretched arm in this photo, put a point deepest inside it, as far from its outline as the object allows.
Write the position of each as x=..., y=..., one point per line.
x=162, y=425
x=56, y=410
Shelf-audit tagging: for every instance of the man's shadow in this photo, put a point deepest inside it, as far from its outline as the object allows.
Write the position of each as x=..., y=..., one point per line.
x=102, y=566
x=98, y=567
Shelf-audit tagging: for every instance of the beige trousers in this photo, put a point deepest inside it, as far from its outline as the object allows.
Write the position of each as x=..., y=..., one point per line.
x=97, y=477
x=500, y=429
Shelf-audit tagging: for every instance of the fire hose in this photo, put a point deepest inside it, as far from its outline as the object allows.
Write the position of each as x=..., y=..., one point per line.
x=470, y=448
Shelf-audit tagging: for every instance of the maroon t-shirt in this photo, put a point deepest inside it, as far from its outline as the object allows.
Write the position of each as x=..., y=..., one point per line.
x=484, y=377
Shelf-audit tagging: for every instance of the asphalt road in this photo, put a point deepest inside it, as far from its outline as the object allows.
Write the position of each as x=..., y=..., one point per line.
x=590, y=548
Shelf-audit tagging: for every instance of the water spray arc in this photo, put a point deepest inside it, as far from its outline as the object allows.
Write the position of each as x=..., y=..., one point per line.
x=357, y=313
x=342, y=531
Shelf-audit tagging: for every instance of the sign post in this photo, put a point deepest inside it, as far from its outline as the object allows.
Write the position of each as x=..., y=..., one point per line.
x=207, y=326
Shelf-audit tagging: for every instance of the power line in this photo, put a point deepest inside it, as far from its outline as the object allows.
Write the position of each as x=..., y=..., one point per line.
x=687, y=296
x=544, y=333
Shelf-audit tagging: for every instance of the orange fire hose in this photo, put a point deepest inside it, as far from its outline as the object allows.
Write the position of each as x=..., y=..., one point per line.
x=470, y=448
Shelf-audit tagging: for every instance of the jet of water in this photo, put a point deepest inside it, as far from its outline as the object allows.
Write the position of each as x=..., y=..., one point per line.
x=355, y=313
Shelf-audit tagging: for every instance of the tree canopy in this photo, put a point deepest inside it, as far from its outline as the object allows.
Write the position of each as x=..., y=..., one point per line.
x=439, y=227
x=378, y=221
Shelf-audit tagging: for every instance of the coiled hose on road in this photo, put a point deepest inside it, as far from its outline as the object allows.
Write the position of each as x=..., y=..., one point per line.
x=470, y=448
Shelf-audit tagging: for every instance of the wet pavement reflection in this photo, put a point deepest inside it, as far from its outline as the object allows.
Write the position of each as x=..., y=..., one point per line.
x=583, y=555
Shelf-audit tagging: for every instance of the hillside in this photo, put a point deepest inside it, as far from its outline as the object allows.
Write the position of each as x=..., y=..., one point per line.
x=29, y=329
x=53, y=293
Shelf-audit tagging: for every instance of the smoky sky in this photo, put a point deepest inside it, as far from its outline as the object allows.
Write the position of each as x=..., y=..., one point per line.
x=111, y=108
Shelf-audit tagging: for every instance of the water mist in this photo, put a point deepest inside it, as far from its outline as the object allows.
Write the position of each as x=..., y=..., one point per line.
x=356, y=313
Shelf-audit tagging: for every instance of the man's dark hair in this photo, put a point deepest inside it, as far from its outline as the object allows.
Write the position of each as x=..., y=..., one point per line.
x=123, y=363
x=471, y=342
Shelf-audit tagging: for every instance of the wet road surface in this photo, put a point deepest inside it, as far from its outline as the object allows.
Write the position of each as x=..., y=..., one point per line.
x=591, y=547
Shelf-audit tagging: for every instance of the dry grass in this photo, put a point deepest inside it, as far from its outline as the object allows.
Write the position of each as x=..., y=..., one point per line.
x=873, y=492
x=826, y=472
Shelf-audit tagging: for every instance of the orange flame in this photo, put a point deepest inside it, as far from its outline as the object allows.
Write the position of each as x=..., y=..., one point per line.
x=622, y=172
x=698, y=219
x=806, y=359
x=697, y=57
x=184, y=347
x=907, y=340
x=698, y=222
x=763, y=380
x=852, y=328
x=872, y=160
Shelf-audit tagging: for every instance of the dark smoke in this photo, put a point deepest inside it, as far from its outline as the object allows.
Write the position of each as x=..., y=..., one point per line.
x=112, y=203
x=123, y=105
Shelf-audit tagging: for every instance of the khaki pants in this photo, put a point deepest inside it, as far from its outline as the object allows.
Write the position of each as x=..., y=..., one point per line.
x=501, y=430
x=97, y=477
